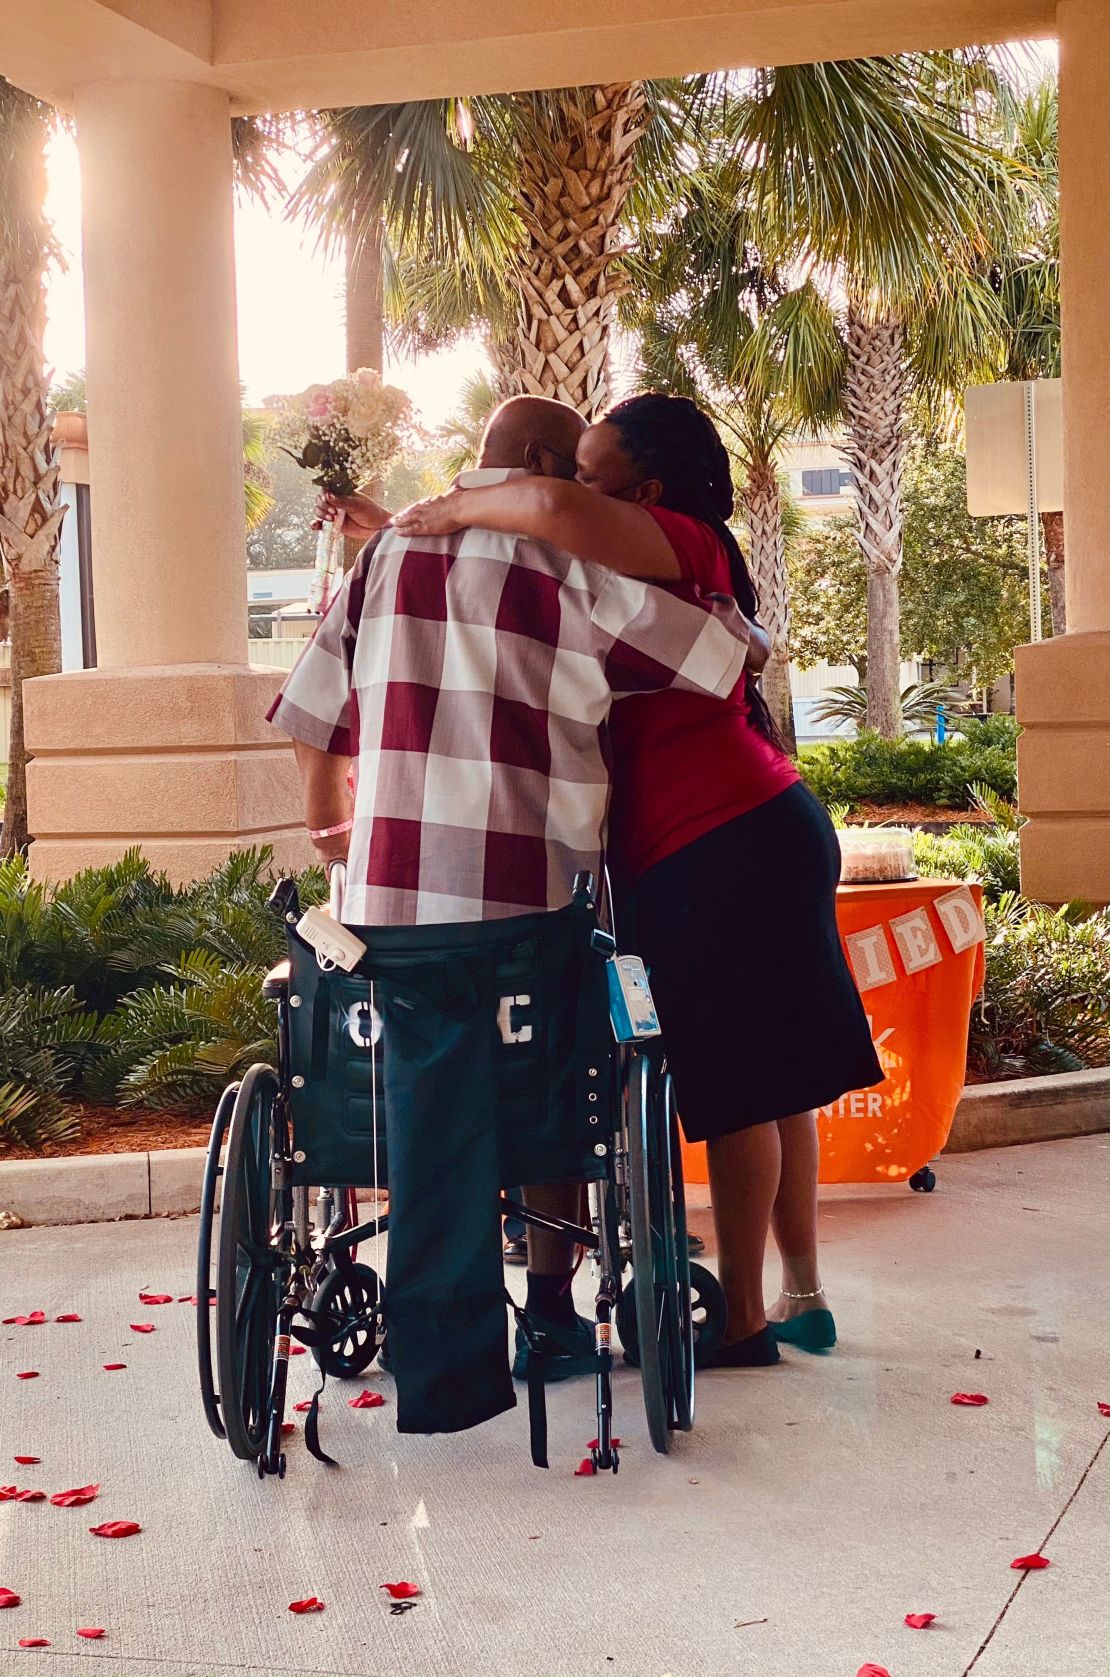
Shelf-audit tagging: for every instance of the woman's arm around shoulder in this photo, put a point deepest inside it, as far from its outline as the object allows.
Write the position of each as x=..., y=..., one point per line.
x=620, y=535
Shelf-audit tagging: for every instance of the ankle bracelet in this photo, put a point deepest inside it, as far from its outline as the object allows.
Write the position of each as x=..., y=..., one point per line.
x=815, y=1295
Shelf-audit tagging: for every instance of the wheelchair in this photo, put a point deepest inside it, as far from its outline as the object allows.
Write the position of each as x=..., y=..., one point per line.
x=292, y=1144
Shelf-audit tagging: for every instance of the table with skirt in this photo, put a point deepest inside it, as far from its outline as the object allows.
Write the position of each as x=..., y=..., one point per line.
x=916, y=950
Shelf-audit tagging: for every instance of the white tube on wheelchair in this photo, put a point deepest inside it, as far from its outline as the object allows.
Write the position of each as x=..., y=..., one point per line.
x=337, y=882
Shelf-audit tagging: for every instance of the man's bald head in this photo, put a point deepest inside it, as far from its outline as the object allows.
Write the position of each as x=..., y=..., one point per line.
x=534, y=432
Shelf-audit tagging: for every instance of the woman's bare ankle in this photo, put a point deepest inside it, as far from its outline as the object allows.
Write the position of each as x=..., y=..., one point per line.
x=795, y=1301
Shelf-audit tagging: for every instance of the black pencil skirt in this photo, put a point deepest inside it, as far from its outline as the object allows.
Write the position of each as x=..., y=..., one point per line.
x=760, y=1013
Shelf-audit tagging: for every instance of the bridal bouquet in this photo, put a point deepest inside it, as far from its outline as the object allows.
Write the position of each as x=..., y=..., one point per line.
x=346, y=433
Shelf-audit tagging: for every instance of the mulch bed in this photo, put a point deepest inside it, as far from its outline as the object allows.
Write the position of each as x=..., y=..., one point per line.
x=105, y=1129
x=927, y=816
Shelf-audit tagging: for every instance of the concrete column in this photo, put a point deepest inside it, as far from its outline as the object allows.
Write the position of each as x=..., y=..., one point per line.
x=1063, y=685
x=165, y=432
x=1084, y=30
x=165, y=744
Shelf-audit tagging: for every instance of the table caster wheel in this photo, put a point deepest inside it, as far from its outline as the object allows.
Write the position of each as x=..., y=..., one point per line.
x=923, y=1181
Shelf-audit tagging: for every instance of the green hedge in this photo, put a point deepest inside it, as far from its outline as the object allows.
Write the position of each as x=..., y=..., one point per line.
x=872, y=770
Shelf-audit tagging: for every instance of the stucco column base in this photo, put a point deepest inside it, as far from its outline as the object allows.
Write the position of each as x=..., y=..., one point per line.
x=1063, y=705
x=177, y=760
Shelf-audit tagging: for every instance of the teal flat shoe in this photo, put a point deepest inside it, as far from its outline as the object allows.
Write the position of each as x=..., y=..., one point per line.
x=813, y=1330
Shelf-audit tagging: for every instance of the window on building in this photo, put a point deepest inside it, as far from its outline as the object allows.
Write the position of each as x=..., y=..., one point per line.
x=824, y=483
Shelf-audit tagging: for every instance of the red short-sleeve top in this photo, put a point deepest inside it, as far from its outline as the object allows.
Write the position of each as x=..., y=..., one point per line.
x=683, y=764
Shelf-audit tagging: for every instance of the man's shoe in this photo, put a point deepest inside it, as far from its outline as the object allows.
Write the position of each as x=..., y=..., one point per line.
x=568, y=1350
x=515, y=1251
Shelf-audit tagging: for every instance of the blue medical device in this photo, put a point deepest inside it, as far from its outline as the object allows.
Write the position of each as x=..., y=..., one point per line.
x=631, y=1007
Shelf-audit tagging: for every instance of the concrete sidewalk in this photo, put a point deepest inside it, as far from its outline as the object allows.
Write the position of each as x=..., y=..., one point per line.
x=813, y=1507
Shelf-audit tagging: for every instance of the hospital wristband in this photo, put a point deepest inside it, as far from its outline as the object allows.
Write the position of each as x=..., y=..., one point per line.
x=330, y=832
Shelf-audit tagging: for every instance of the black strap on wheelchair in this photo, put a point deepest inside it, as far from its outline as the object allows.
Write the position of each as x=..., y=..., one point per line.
x=312, y=1427
x=536, y=1369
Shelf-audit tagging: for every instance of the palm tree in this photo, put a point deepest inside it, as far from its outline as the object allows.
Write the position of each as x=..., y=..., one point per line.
x=700, y=298
x=30, y=518
x=505, y=210
x=870, y=173
x=461, y=435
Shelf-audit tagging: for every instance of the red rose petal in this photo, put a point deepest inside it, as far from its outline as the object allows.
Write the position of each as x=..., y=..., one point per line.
x=27, y=1461
x=402, y=1591
x=69, y=1317
x=75, y=1499
x=155, y=1298
x=303, y=1407
x=142, y=1327
x=8, y=1492
x=110, y=1368
x=35, y=1319
x=8, y=1598
x=310, y=1604
x=920, y=1621
x=287, y=1427
x=116, y=1528
x=971, y=1400
x=585, y=1468
x=30, y=1496
x=33, y=1642
x=870, y=1670
x=366, y=1400
x=594, y=1445
x=91, y=1633
x=28, y=1374
x=296, y=1350
x=1030, y=1563
x=187, y=1298
x=1104, y=1408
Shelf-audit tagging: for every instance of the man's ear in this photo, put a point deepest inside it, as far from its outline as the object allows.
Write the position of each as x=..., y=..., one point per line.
x=533, y=458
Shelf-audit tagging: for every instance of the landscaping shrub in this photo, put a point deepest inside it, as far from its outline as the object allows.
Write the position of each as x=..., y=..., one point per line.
x=1046, y=1002
x=117, y=986
x=872, y=770
x=46, y=1039
x=987, y=854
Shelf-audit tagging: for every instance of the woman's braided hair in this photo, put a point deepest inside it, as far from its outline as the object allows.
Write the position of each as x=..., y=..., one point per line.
x=669, y=438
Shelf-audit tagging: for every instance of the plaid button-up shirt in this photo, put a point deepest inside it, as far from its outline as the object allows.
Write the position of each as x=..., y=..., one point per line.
x=470, y=677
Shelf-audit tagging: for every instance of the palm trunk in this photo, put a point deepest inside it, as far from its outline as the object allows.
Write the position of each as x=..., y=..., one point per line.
x=30, y=518
x=36, y=650
x=571, y=194
x=763, y=514
x=875, y=392
x=363, y=317
x=1052, y=524
x=364, y=326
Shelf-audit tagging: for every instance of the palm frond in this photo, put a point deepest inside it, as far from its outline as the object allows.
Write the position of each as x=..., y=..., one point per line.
x=857, y=163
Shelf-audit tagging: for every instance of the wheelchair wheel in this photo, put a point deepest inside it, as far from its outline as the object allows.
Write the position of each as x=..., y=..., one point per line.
x=355, y=1305
x=251, y=1263
x=663, y=1329
x=213, y=1171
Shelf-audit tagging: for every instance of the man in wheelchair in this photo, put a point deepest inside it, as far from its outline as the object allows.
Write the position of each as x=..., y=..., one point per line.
x=469, y=678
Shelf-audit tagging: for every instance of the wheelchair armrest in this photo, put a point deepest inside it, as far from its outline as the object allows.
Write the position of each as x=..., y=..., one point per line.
x=285, y=900
x=275, y=985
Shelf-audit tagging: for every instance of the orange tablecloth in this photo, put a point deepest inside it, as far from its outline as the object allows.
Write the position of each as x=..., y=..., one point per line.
x=919, y=968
